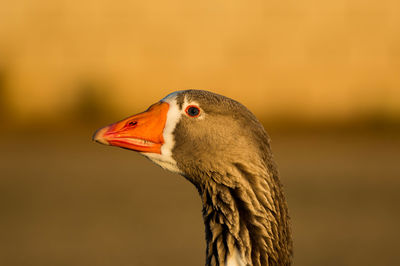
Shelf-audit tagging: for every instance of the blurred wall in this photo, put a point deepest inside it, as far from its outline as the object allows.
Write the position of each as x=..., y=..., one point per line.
x=309, y=59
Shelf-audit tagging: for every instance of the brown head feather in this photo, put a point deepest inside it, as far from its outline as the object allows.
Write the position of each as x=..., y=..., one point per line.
x=227, y=156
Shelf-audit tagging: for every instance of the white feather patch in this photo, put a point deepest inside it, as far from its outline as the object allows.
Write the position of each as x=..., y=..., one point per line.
x=235, y=259
x=165, y=159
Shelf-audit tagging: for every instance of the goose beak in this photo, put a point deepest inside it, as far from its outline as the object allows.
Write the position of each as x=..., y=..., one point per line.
x=142, y=132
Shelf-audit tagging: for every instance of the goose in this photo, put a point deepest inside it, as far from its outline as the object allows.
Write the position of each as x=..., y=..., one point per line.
x=218, y=145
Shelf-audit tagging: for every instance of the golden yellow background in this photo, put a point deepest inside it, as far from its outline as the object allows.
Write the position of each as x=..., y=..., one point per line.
x=314, y=58
x=322, y=76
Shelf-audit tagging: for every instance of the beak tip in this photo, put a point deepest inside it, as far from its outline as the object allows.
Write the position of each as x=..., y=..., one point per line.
x=98, y=136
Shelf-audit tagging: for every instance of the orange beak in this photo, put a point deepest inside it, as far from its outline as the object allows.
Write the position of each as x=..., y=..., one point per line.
x=142, y=132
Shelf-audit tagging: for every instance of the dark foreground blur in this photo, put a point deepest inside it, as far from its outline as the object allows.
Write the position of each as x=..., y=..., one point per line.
x=67, y=201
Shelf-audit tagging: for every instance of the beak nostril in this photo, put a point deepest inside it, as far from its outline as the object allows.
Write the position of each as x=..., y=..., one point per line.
x=132, y=124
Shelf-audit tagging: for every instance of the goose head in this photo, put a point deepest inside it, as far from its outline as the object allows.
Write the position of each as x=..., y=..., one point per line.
x=220, y=146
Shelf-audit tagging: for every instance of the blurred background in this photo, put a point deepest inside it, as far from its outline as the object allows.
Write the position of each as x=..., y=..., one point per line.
x=322, y=76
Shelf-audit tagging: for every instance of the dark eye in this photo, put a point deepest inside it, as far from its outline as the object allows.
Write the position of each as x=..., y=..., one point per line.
x=192, y=111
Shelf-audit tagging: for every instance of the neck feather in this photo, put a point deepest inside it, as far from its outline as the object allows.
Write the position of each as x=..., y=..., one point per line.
x=246, y=218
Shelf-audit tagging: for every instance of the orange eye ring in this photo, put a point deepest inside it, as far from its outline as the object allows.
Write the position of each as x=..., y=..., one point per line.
x=192, y=111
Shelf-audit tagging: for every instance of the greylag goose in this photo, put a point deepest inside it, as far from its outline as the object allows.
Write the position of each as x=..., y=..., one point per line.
x=218, y=145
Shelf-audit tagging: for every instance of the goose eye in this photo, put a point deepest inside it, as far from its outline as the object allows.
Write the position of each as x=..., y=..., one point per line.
x=192, y=111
